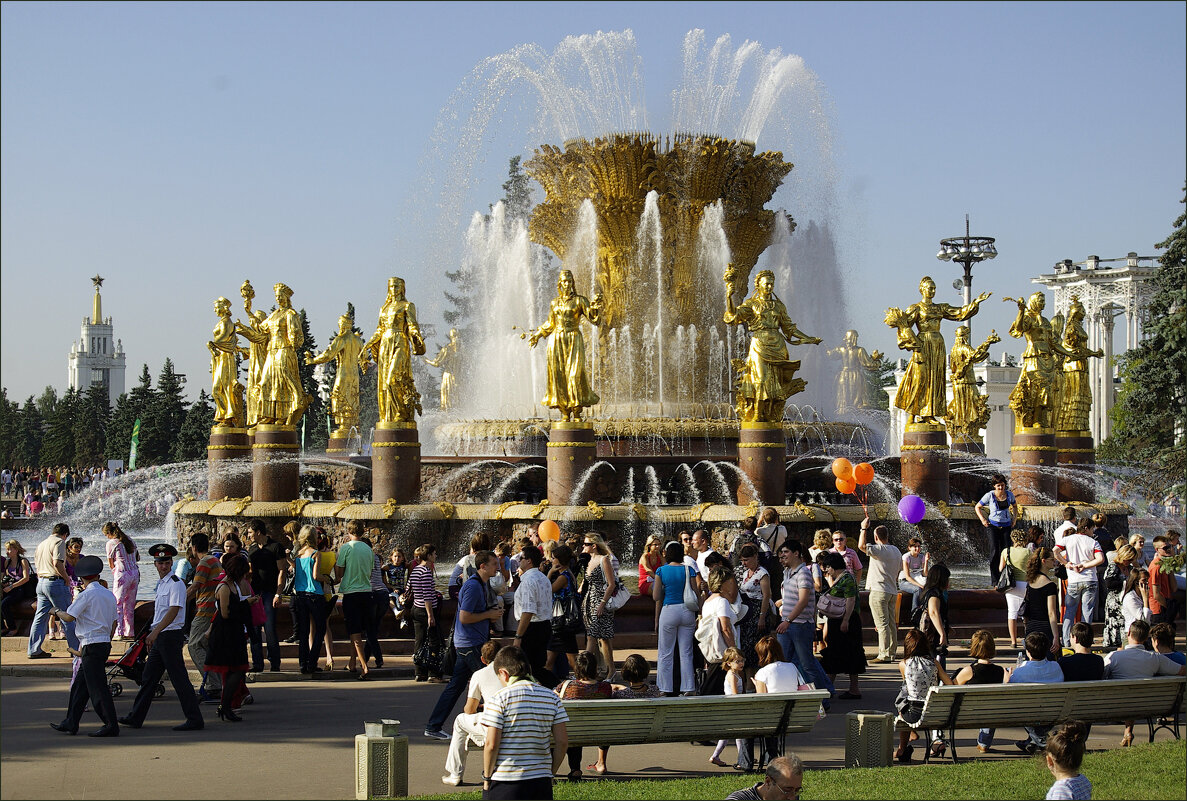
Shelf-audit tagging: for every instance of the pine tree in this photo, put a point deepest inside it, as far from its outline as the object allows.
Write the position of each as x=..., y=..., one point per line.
x=90, y=424
x=1150, y=418
x=30, y=434
x=313, y=422
x=9, y=420
x=877, y=380
x=517, y=192
x=162, y=418
x=59, y=439
x=195, y=431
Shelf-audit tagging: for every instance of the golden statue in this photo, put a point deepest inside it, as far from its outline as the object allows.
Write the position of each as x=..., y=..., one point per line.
x=396, y=339
x=852, y=382
x=1034, y=399
x=224, y=369
x=1076, y=400
x=922, y=393
x=968, y=411
x=257, y=351
x=766, y=378
x=449, y=359
x=344, y=349
x=568, y=382
x=282, y=398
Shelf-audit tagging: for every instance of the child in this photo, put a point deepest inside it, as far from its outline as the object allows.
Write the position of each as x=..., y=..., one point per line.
x=1065, y=752
x=735, y=684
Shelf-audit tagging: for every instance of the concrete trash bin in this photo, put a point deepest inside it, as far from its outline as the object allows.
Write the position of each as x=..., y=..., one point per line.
x=381, y=760
x=869, y=739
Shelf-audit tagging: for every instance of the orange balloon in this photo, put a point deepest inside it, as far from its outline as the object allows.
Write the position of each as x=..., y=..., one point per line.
x=549, y=531
x=846, y=485
x=842, y=468
x=863, y=473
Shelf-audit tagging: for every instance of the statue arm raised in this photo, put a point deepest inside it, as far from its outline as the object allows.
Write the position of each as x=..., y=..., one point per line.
x=593, y=309
x=982, y=351
x=965, y=312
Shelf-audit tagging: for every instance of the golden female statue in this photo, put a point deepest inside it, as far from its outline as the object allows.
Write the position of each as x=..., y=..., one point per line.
x=282, y=398
x=852, y=382
x=257, y=351
x=766, y=377
x=397, y=337
x=449, y=359
x=224, y=369
x=968, y=411
x=568, y=383
x=922, y=393
x=344, y=349
x=1076, y=400
x=1034, y=398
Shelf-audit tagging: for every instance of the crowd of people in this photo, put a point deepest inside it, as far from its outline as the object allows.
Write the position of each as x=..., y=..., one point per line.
x=765, y=614
x=43, y=490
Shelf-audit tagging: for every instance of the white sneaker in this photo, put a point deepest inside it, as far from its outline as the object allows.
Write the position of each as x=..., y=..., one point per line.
x=451, y=780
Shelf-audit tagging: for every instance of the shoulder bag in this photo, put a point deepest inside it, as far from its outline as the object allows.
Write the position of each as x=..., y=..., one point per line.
x=709, y=638
x=692, y=601
x=1005, y=582
x=830, y=605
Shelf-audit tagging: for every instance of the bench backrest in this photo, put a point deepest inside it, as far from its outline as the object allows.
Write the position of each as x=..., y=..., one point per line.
x=668, y=720
x=1107, y=701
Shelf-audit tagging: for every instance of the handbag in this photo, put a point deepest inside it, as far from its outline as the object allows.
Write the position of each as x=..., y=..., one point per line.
x=708, y=640
x=692, y=601
x=619, y=598
x=830, y=605
x=566, y=613
x=258, y=614
x=1005, y=582
x=427, y=658
x=448, y=655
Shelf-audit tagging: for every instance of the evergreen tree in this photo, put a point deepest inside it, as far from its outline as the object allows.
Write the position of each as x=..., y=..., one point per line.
x=517, y=193
x=1150, y=418
x=195, y=431
x=162, y=418
x=314, y=420
x=878, y=379
x=90, y=424
x=130, y=407
x=29, y=435
x=9, y=421
x=59, y=439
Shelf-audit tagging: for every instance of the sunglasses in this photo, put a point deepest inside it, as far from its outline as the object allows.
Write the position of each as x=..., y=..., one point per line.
x=588, y=544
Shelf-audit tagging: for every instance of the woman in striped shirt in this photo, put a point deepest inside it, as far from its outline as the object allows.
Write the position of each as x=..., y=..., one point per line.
x=422, y=582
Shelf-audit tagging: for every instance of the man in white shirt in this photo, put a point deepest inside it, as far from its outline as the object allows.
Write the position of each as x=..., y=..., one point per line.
x=165, y=640
x=1068, y=526
x=882, y=582
x=700, y=545
x=483, y=684
x=93, y=615
x=1081, y=554
x=533, y=609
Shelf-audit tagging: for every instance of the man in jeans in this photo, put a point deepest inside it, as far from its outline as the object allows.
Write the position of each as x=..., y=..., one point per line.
x=471, y=629
x=797, y=608
x=53, y=589
x=1081, y=554
x=882, y=581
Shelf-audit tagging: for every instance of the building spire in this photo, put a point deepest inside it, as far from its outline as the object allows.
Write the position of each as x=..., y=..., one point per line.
x=97, y=312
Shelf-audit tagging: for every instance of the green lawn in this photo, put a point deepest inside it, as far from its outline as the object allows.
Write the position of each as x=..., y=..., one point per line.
x=1157, y=771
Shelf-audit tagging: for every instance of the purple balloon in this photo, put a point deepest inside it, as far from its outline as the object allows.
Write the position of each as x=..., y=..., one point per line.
x=912, y=509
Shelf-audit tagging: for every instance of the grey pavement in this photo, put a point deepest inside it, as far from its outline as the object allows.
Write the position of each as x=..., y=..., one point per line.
x=297, y=739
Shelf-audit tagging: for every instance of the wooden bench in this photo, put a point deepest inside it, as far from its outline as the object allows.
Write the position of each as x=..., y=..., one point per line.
x=632, y=721
x=1158, y=701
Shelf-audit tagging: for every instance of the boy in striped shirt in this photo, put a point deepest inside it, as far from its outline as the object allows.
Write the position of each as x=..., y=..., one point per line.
x=520, y=721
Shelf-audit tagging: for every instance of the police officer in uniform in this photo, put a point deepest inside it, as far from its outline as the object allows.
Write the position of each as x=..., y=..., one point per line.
x=93, y=613
x=165, y=641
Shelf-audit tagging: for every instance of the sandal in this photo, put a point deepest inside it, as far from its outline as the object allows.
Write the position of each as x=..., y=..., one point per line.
x=595, y=769
x=937, y=749
x=1126, y=741
x=903, y=755
x=719, y=763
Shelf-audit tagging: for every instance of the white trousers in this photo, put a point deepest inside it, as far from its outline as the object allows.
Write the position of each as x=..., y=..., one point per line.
x=464, y=727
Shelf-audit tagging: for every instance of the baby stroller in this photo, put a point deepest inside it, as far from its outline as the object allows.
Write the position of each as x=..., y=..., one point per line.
x=131, y=665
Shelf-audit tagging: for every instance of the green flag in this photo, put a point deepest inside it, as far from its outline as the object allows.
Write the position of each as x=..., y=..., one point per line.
x=135, y=443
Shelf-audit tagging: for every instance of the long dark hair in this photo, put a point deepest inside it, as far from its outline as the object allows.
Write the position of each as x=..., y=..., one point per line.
x=938, y=578
x=1035, y=566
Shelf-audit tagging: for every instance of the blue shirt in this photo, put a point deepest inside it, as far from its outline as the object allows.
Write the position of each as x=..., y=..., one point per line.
x=673, y=577
x=472, y=598
x=999, y=513
x=1044, y=671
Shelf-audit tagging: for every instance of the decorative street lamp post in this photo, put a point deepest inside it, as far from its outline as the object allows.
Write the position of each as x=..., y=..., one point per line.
x=967, y=250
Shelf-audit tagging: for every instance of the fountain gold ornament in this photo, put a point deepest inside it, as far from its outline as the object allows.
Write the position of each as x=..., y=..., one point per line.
x=766, y=377
x=226, y=391
x=396, y=339
x=1073, y=437
x=257, y=351
x=395, y=449
x=568, y=379
x=853, y=382
x=449, y=360
x=922, y=391
x=344, y=349
x=968, y=411
x=1034, y=402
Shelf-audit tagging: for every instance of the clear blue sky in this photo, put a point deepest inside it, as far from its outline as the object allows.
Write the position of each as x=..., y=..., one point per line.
x=179, y=148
